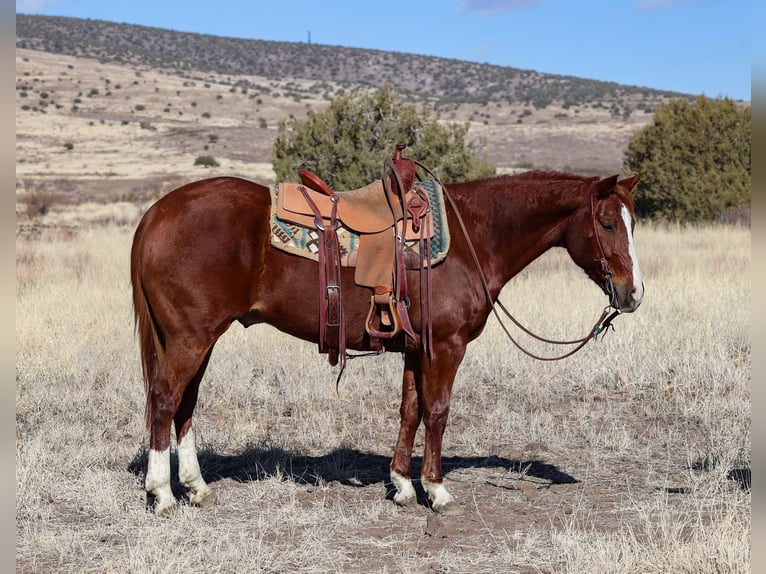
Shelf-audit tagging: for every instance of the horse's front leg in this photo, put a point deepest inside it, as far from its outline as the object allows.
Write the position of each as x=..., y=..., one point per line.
x=410, y=415
x=435, y=395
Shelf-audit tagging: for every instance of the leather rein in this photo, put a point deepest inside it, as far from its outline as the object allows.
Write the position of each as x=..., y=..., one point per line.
x=601, y=326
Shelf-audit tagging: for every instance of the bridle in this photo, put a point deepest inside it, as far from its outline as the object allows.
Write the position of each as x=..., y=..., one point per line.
x=605, y=269
x=601, y=326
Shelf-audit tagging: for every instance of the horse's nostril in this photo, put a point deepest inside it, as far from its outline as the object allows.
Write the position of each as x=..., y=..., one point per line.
x=636, y=295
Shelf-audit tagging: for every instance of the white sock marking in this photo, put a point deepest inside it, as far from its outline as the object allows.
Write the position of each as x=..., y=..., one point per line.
x=189, y=471
x=188, y=466
x=158, y=479
x=437, y=493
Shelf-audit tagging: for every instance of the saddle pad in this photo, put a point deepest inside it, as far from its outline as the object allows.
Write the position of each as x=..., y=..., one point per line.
x=303, y=241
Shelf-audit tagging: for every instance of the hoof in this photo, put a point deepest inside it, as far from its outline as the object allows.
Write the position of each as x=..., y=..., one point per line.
x=166, y=510
x=203, y=499
x=406, y=501
x=449, y=508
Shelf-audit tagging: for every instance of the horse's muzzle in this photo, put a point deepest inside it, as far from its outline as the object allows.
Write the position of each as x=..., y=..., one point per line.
x=630, y=299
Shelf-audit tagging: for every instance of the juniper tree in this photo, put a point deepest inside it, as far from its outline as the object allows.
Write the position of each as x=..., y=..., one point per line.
x=695, y=160
x=346, y=143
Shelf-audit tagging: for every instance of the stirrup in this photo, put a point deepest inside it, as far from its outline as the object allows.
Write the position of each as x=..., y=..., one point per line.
x=384, y=299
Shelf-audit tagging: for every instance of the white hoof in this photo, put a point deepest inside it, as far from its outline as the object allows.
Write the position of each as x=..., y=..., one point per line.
x=405, y=493
x=203, y=498
x=164, y=507
x=442, y=501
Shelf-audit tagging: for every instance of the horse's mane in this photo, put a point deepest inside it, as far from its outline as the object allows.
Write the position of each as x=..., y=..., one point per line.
x=564, y=178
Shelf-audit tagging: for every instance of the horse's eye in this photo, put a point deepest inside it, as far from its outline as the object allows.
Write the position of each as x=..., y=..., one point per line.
x=608, y=227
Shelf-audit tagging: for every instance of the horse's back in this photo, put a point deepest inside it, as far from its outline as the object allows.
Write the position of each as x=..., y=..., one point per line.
x=216, y=195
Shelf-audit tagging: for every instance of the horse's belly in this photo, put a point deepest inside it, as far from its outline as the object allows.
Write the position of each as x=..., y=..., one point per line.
x=286, y=295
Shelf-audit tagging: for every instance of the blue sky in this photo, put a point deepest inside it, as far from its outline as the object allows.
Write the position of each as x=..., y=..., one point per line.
x=689, y=46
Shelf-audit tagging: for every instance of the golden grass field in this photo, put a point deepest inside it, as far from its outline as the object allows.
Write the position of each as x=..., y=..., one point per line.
x=632, y=456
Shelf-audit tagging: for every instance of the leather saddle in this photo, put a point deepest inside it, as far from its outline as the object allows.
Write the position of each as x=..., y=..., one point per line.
x=365, y=211
x=385, y=214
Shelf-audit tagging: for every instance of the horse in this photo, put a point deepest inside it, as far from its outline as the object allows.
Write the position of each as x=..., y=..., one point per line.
x=201, y=259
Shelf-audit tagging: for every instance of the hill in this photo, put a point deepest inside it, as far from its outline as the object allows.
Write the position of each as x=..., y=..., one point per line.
x=446, y=80
x=124, y=104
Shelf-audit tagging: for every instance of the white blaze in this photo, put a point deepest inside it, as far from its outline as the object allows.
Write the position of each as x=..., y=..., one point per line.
x=638, y=284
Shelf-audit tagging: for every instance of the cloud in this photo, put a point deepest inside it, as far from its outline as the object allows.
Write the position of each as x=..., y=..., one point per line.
x=644, y=6
x=653, y=5
x=486, y=7
x=35, y=5
x=481, y=51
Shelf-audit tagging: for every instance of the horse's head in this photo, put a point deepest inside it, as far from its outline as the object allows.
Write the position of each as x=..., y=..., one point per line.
x=600, y=240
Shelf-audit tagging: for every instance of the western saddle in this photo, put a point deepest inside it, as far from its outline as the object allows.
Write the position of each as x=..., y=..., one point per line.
x=384, y=214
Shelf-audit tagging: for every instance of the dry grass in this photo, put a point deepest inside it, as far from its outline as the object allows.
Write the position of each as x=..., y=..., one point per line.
x=632, y=456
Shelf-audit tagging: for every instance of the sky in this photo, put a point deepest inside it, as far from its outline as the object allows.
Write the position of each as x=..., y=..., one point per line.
x=688, y=46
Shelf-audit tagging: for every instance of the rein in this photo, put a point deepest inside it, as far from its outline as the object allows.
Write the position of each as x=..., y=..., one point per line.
x=601, y=326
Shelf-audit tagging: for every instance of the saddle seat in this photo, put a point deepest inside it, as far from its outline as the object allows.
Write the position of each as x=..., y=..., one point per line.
x=363, y=210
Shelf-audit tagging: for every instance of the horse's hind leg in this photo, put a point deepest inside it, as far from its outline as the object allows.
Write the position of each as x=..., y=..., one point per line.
x=183, y=361
x=189, y=472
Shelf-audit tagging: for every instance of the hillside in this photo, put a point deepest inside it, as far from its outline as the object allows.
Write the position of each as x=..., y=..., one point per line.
x=117, y=105
x=446, y=80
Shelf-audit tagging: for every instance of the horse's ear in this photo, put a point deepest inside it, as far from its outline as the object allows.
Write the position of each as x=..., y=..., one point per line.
x=605, y=187
x=629, y=183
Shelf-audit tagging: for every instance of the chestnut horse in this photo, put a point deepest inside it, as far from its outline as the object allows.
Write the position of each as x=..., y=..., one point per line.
x=202, y=259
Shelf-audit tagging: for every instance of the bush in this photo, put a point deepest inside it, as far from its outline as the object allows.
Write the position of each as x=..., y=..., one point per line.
x=38, y=199
x=695, y=161
x=206, y=161
x=347, y=143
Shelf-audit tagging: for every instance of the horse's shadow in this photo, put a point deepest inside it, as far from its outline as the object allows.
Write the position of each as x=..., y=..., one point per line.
x=347, y=466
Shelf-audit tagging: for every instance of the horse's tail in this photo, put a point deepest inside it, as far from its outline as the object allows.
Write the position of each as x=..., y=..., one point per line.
x=149, y=336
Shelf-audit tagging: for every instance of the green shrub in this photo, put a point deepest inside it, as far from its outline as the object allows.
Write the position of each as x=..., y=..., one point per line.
x=695, y=160
x=347, y=143
x=206, y=161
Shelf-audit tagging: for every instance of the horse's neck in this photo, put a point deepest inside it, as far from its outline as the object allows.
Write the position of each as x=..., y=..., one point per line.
x=513, y=221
